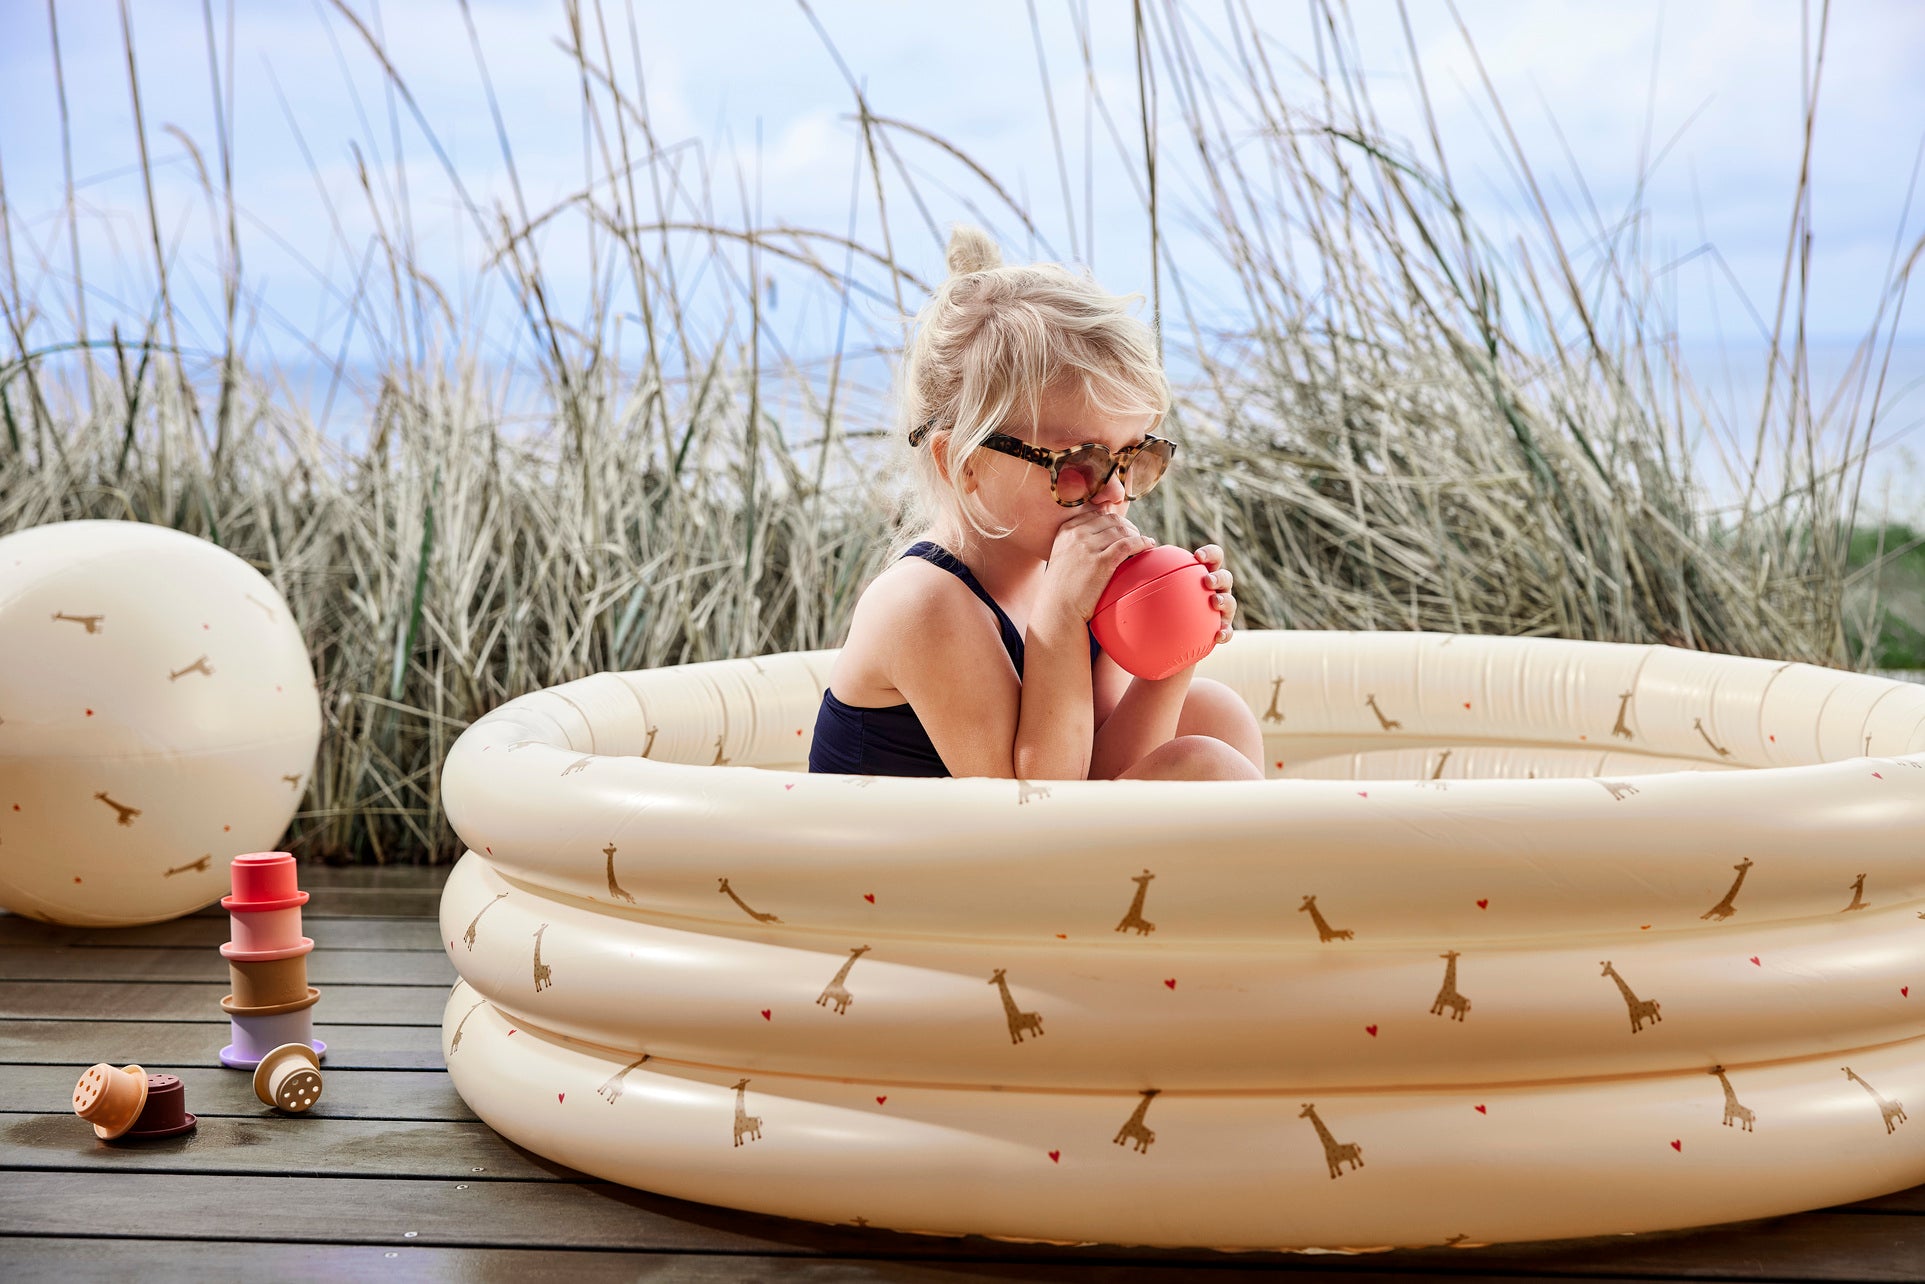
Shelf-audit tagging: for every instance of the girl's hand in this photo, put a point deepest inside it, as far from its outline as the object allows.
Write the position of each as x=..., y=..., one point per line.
x=1087, y=550
x=1225, y=602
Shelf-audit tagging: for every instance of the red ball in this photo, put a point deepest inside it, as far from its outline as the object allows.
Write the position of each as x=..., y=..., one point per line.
x=1155, y=617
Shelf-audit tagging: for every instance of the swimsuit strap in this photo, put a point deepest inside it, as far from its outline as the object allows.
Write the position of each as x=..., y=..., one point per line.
x=930, y=551
x=933, y=552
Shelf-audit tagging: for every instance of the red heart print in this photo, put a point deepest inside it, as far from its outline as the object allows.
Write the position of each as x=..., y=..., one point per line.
x=1372, y=1029
x=798, y=731
x=1754, y=959
x=1062, y=936
x=489, y=850
x=1467, y=704
x=1905, y=990
x=513, y=1033
x=1678, y=1146
x=1645, y=928
x=1484, y=902
x=870, y=897
x=1773, y=739
x=1170, y=981
x=880, y=1100
x=765, y=1014
x=561, y=1096
x=1279, y=764
x=1055, y=1156
x=1482, y=1111
x=1876, y=776
x=1362, y=794
x=788, y=786
x=451, y=945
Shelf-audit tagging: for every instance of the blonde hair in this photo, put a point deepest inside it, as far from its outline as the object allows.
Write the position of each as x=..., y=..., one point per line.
x=989, y=342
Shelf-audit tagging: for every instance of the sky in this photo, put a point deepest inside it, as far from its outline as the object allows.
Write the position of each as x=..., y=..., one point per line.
x=1705, y=100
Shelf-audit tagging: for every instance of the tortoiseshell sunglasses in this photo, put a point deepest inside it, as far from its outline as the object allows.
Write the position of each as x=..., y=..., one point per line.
x=1077, y=474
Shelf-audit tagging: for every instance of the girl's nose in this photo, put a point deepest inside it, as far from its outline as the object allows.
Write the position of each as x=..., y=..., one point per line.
x=1111, y=492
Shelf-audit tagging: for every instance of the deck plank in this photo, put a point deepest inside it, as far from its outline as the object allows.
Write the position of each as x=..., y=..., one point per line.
x=270, y=1144
x=564, y=1215
x=325, y=967
x=117, y=1260
x=212, y=1093
x=420, y=900
x=183, y=1001
x=197, y=932
x=176, y=1044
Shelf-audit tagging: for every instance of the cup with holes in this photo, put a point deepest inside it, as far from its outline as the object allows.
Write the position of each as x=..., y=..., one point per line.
x=110, y=1099
x=164, y=1113
x=289, y=1078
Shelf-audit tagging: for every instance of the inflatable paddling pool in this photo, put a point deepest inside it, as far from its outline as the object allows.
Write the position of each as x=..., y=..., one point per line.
x=1524, y=939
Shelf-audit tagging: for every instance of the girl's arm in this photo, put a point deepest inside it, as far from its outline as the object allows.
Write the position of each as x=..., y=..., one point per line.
x=1055, y=728
x=950, y=665
x=1147, y=713
x=1144, y=718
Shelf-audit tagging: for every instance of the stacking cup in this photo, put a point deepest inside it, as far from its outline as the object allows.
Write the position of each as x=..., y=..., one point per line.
x=271, y=978
x=258, y=1031
x=265, y=927
x=164, y=1114
x=109, y=1099
x=263, y=877
x=289, y=1077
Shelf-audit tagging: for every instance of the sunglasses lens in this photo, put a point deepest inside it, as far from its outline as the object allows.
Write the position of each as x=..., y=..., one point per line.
x=1082, y=474
x=1147, y=469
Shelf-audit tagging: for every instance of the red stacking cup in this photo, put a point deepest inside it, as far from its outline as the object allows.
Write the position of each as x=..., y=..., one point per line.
x=1155, y=616
x=263, y=880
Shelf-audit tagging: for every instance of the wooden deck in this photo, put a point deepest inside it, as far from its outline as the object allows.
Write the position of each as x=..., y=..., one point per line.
x=391, y=1177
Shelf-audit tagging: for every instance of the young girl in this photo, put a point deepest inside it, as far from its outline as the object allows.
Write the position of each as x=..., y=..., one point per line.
x=1029, y=401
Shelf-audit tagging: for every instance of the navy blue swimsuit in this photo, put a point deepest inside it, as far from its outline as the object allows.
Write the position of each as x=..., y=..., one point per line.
x=889, y=740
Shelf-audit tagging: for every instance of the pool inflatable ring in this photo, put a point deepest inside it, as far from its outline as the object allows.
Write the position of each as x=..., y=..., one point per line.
x=1524, y=939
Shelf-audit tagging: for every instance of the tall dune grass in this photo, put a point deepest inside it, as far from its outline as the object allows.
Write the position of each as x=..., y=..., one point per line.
x=1410, y=428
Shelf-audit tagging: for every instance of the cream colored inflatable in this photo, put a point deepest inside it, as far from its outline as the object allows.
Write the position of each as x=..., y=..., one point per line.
x=158, y=715
x=1524, y=939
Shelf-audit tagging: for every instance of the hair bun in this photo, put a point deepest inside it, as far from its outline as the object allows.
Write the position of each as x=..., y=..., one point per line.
x=971, y=250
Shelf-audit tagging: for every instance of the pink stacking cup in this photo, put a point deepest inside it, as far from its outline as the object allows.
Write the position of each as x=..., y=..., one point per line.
x=260, y=932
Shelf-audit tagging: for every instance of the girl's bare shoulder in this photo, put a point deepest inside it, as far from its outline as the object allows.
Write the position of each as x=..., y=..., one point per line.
x=908, y=598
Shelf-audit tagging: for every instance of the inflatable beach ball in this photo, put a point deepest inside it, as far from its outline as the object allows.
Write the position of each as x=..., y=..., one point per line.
x=158, y=716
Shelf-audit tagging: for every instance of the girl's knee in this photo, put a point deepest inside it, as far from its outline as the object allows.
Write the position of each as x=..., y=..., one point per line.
x=1197, y=757
x=1214, y=709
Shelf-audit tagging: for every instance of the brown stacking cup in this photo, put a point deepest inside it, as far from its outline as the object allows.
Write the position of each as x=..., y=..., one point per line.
x=266, y=983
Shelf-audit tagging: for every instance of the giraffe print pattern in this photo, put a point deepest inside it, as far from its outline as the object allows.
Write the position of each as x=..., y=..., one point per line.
x=1333, y=1123
x=214, y=645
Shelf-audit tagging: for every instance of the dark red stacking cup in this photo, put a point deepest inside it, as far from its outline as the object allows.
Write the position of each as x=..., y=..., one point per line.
x=165, y=1112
